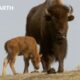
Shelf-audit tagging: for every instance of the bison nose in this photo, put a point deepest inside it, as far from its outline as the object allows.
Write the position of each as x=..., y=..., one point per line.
x=60, y=35
x=60, y=32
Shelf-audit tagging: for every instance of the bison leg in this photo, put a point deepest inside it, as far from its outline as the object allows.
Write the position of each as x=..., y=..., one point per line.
x=50, y=70
x=44, y=59
x=46, y=63
x=61, y=66
x=63, y=50
x=26, y=62
x=4, y=66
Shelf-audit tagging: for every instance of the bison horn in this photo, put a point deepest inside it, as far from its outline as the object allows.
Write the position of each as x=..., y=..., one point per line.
x=71, y=9
x=47, y=12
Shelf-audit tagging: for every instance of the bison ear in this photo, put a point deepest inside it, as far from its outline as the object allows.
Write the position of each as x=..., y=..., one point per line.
x=47, y=15
x=70, y=18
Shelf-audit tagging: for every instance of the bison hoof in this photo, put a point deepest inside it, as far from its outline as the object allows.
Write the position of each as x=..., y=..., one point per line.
x=35, y=71
x=44, y=71
x=16, y=73
x=25, y=71
x=51, y=71
x=60, y=71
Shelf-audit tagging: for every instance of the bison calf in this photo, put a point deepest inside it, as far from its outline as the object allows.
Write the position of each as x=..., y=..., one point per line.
x=25, y=46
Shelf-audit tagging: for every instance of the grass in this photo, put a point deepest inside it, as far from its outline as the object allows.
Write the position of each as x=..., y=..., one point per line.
x=70, y=75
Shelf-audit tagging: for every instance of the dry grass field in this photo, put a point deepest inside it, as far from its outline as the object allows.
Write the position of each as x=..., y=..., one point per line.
x=69, y=75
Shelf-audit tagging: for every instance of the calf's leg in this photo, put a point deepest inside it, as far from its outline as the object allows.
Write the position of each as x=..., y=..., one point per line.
x=5, y=63
x=12, y=68
x=26, y=64
x=11, y=63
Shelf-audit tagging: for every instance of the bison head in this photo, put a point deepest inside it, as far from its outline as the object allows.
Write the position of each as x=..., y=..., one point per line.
x=57, y=18
x=68, y=10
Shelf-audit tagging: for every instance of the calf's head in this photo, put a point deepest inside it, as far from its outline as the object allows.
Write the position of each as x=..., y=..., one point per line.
x=36, y=61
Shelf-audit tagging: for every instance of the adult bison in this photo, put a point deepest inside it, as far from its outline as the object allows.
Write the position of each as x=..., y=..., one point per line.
x=48, y=24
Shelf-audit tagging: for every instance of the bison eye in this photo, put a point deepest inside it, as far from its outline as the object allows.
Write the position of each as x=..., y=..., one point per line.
x=48, y=18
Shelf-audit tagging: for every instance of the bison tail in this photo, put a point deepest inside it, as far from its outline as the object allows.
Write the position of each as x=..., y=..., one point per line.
x=6, y=46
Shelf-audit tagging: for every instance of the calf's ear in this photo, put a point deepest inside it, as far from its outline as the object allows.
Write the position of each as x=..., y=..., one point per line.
x=40, y=55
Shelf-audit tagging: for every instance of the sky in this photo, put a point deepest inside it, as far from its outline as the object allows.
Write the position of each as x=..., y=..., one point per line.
x=12, y=24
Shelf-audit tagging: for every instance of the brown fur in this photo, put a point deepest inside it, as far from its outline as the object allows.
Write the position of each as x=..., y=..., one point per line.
x=50, y=30
x=25, y=46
